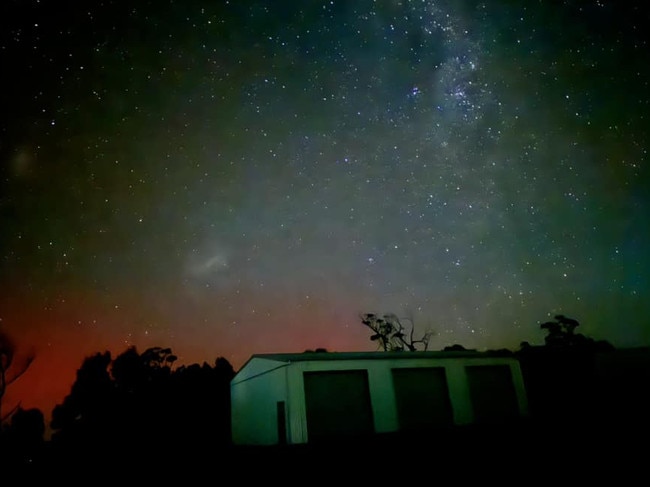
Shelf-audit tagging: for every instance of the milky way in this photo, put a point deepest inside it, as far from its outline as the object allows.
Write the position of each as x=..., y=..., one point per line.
x=229, y=178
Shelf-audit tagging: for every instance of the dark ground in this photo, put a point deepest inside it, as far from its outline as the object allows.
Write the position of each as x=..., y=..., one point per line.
x=520, y=454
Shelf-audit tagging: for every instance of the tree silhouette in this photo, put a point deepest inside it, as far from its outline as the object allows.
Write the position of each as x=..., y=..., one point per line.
x=561, y=375
x=10, y=370
x=392, y=335
x=86, y=410
x=141, y=403
x=560, y=334
x=22, y=442
x=26, y=428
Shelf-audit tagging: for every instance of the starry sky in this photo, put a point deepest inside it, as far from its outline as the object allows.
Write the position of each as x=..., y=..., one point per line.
x=236, y=177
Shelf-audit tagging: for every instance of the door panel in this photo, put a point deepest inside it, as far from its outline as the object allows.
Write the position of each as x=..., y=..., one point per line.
x=337, y=404
x=493, y=394
x=422, y=398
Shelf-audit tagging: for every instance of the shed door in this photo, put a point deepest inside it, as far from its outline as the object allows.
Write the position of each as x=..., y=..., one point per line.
x=337, y=404
x=493, y=394
x=422, y=398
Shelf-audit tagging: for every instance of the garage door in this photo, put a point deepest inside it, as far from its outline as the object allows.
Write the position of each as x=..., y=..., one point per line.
x=338, y=405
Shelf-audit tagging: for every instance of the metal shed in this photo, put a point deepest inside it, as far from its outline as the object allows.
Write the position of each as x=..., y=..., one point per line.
x=294, y=398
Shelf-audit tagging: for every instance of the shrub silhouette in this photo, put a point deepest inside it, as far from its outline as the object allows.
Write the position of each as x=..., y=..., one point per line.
x=138, y=403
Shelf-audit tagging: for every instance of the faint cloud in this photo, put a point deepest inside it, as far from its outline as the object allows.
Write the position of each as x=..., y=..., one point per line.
x=22, y=163
x=204, y=266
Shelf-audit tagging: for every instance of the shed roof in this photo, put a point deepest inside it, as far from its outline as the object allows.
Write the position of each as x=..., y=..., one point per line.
x=377, y=355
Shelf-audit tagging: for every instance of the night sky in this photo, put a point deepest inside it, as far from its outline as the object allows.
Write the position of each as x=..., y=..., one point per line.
x=229, y=178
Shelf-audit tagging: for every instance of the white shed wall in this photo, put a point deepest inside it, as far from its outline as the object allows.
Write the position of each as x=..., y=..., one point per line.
x=254, y=405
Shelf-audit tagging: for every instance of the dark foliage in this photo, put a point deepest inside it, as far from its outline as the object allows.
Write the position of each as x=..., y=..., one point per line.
x=140, y=405
x=562, y=377
x=560, y=334
x=457, y=348
x=22, y=438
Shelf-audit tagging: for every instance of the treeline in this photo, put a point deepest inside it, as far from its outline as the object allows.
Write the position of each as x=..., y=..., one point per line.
x=140, y=409
x=135, y=407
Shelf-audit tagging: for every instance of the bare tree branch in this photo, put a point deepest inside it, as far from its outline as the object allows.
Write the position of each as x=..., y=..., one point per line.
x=9, y=371
x=392, y=334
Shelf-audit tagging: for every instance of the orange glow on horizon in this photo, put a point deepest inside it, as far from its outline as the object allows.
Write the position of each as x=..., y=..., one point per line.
x=60, y=349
